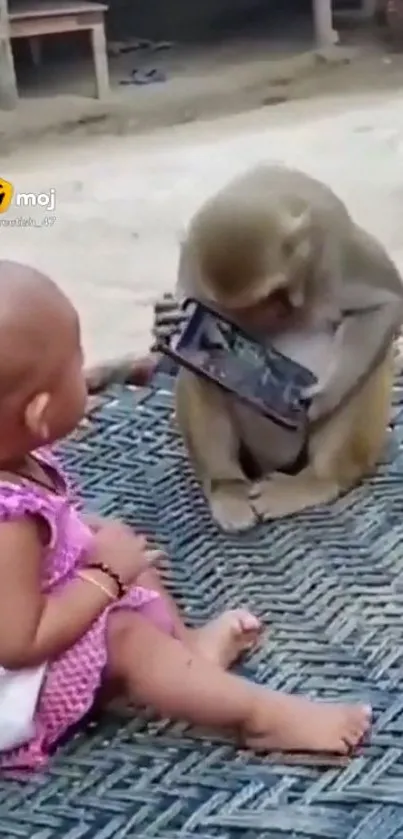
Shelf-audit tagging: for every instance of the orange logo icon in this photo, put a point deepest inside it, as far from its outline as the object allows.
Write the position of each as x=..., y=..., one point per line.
x=6, y=195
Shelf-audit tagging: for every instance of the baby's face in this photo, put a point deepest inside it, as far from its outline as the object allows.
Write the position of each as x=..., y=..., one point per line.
x=69, y=395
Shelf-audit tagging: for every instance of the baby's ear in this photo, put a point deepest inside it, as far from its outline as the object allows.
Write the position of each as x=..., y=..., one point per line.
x=36, y=416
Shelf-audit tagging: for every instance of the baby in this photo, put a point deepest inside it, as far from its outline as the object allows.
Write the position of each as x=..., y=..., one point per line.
x=80, y=601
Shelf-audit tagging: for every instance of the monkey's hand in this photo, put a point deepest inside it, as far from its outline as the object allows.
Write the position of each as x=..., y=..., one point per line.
x=362, y=341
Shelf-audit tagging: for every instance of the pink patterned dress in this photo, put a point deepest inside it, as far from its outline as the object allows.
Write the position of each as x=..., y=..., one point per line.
x=72, y=680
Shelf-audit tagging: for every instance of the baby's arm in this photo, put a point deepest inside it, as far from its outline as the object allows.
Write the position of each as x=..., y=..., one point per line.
x=36, y=627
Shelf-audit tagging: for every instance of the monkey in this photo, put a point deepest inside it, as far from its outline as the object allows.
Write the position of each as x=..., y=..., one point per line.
x=279, y=252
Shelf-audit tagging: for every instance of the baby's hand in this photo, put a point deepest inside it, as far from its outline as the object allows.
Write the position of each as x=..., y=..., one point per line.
x=94, y=522
x=122, y=550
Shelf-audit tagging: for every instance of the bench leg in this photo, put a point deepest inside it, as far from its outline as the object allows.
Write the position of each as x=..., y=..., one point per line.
x=8, y=80
x=100, y=60
x=35, y=48
x=323, y=22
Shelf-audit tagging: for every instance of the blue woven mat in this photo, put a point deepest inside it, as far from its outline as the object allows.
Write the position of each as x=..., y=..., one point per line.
x=329, y=582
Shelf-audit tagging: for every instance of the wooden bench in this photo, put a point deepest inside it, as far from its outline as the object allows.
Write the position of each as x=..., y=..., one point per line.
x=33, y=19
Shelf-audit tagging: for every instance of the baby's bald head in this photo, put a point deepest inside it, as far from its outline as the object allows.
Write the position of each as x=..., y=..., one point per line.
x=34, y=317
x=42, y=386
x=21, y=285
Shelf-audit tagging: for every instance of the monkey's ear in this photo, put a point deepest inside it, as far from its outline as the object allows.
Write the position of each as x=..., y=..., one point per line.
x=296, y=245
x=296, y=228
x=297, y=251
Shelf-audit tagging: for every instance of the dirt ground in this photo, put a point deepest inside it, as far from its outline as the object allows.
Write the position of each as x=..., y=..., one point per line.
x=201, y=83
x=122, y=202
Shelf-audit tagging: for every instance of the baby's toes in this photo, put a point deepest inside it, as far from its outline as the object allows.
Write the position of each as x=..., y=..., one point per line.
x=247, y=627
x=359, y=727
x=364, y=719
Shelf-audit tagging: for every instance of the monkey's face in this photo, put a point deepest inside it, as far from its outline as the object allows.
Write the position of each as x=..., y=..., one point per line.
x=253, y=262
x=271, y=315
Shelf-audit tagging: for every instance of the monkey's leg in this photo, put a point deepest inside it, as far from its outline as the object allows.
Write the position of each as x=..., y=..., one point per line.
x=204, y=419
x=341, y=453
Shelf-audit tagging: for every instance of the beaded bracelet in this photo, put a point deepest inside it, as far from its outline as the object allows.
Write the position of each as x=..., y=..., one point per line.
x=82, y=575
x=122, y=589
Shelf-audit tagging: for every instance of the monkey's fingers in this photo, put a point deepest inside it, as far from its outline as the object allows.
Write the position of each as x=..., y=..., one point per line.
x=312, y=391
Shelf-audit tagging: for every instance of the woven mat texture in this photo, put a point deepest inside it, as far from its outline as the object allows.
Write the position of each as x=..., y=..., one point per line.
x=330, y=585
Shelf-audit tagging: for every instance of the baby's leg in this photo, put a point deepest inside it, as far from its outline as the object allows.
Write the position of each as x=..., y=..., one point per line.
x=222, y=640
x=160, y=671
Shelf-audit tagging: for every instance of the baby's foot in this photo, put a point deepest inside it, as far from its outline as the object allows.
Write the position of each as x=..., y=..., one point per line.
x=293, y=724
x=224, y=639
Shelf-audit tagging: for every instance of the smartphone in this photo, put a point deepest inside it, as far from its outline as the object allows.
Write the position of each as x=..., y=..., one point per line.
x=214, y=347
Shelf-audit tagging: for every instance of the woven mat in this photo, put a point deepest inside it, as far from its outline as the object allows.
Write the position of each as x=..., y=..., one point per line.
x=329, y=583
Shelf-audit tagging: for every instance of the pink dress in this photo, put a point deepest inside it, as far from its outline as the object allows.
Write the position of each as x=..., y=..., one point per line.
x=72, y=680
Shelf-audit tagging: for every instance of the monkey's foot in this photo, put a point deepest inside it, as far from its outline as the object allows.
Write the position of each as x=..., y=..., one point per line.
x=295, y=724
x=231, y=508
x=282, y=495
x=224, y=639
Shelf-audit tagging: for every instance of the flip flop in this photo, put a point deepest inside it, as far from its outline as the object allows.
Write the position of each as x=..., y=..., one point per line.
x=150, y=76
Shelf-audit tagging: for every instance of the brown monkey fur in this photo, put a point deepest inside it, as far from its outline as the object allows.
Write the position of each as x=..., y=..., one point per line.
x=275, y=231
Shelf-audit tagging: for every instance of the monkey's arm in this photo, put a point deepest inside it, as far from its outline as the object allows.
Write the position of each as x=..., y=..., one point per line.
x=363, y=338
